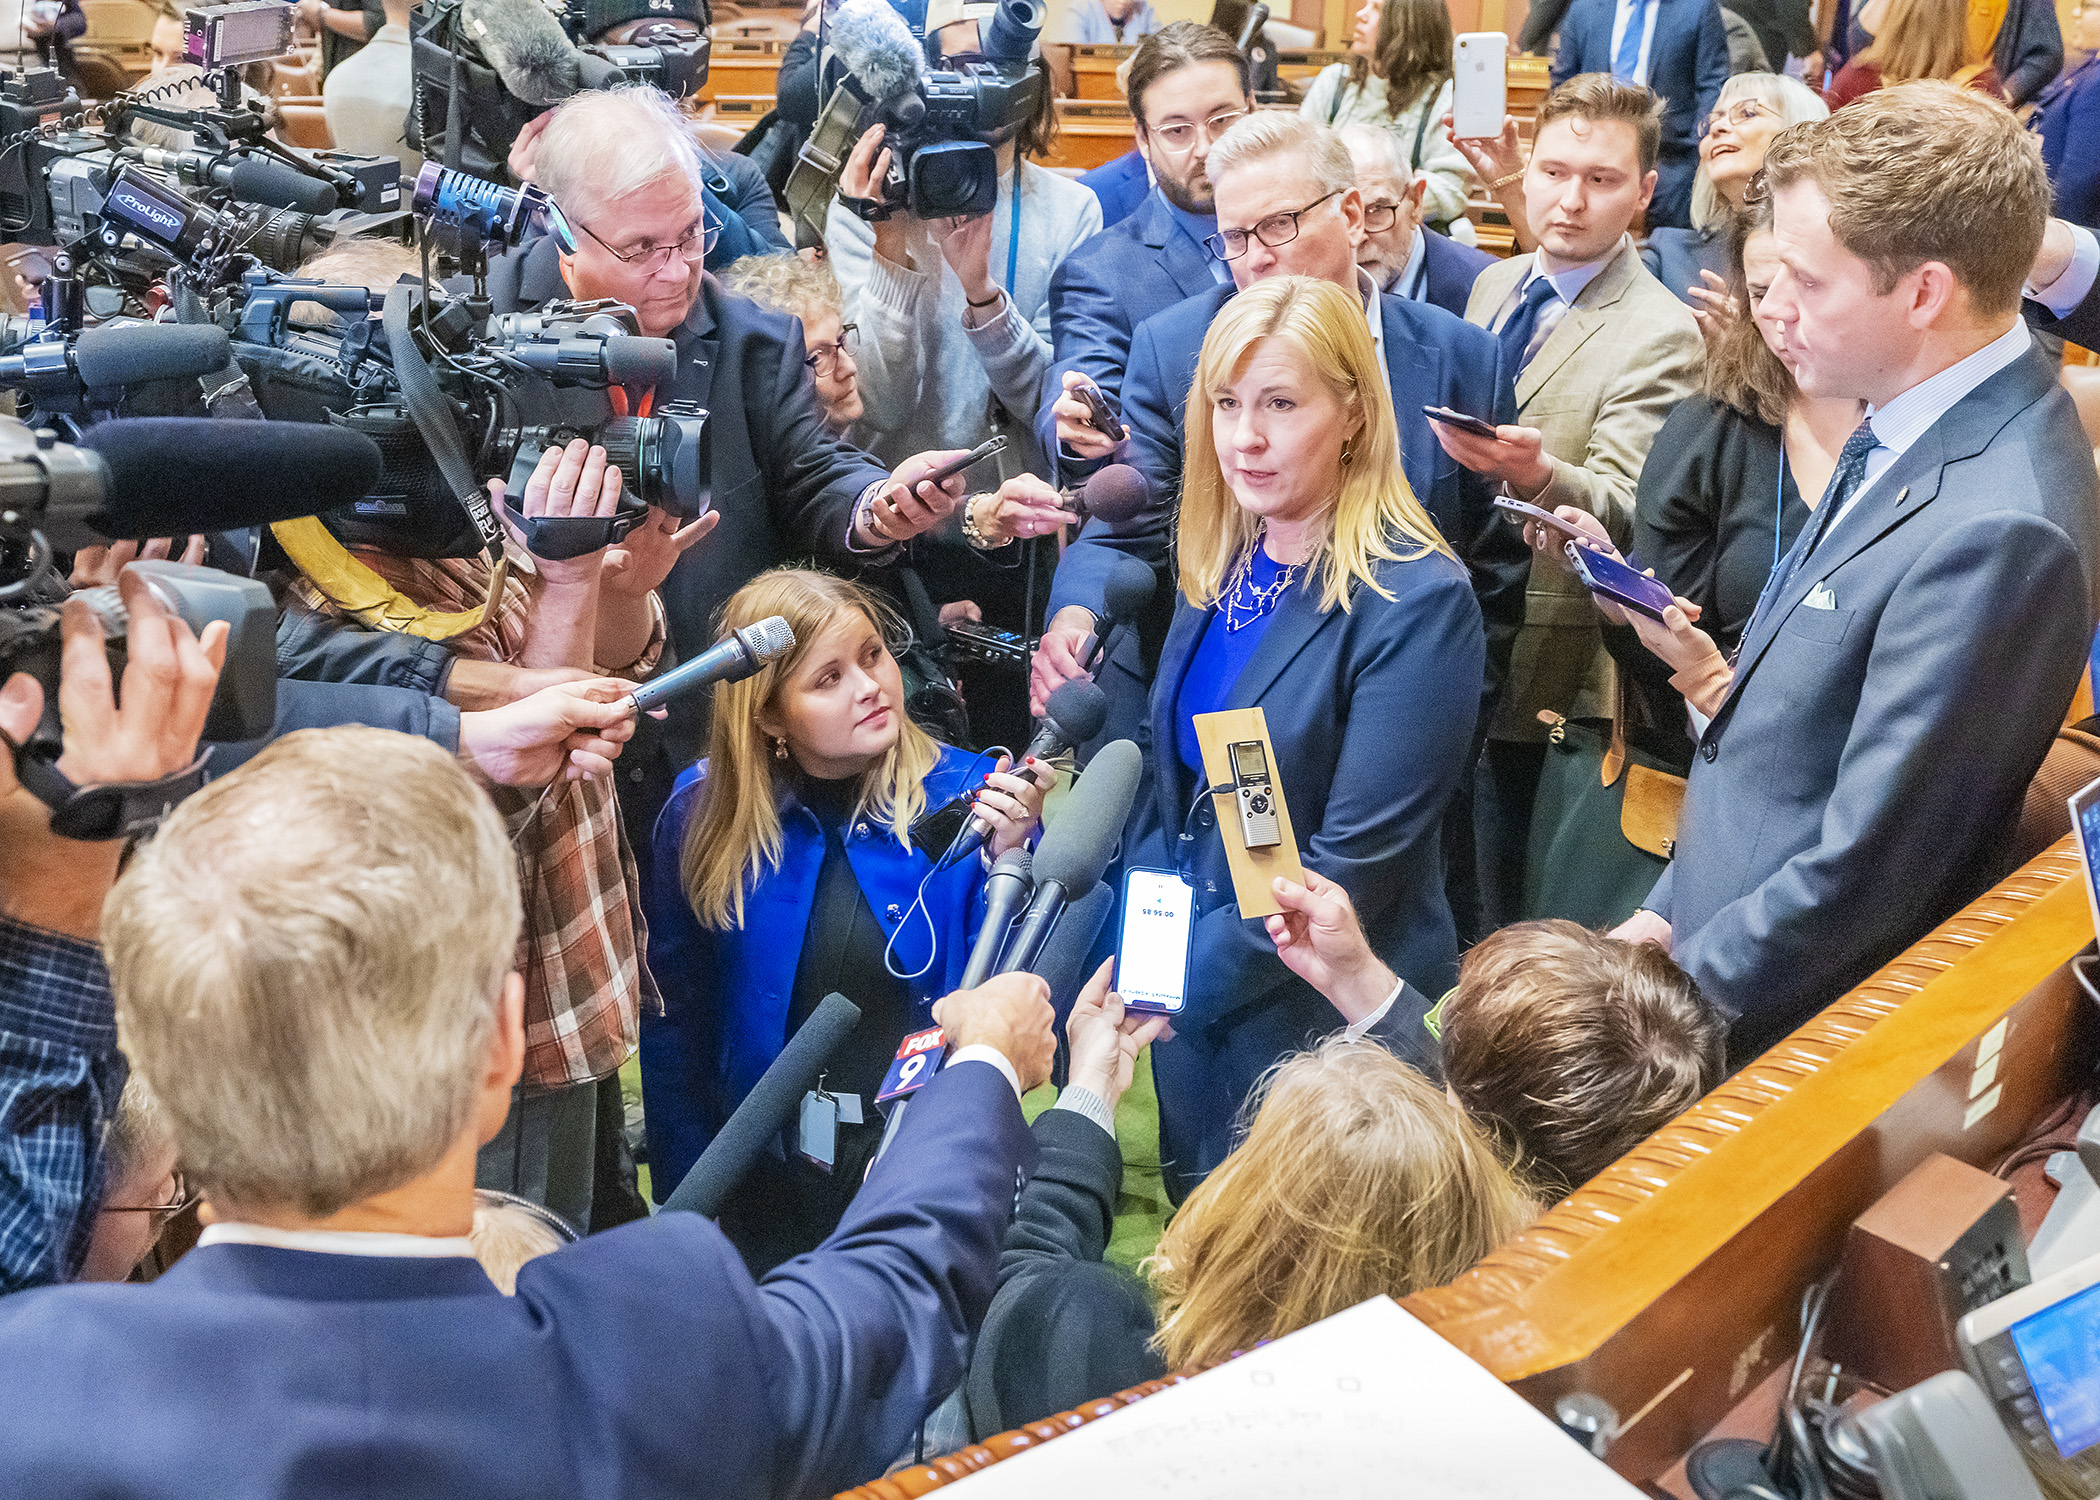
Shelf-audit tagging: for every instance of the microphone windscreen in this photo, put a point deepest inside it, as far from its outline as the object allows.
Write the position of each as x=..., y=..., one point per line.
x=134, y=353
x=1117, y=494
x=180, y=476
x=526, y=46
x=257, y=179
x=1129, y=588
x=1078, y=708
x=766, y=1110
x=1081, y=840
x=876, y=46
x=643, y=363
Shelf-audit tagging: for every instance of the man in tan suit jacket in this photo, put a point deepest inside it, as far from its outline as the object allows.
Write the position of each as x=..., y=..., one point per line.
x=1604, y=351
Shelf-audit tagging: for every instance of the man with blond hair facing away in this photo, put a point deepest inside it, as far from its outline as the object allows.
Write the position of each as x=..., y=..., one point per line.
x=312, y=966
x=1913, y=655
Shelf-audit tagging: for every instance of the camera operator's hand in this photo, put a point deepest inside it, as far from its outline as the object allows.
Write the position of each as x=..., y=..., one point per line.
x=1320, y=940
x=966, y=244
x=905, y=506
x=1057, y=656
x=1010, y=1014
x=571, y=731
x=169, y=676
x=1105, y=1039
x=640, y=563
x=573, y=480
x=525, y=150
x=1073, y=431
x=1024, y=506
x=862, y=177
x=95, y=567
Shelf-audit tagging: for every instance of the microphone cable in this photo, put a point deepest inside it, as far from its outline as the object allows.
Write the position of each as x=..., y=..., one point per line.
x=918, y=901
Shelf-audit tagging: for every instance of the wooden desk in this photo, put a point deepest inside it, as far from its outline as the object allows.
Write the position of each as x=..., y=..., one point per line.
x=742, y=67
x=1094, y=71
x=1090, y=132
x=1302, y=68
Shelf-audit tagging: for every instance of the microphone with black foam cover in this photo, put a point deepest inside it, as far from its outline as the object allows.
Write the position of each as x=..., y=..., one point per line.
x=1115, y=495
x=879, y=50
x=1005, y=894
x=181, y=476
x=640, y=363
x=1062, y=960
x=259, y=179
x=732, y=659
x=1128, y=589
x=1073, y=715
x=1076, y=848
x=118, y=355
x=767, y=1109
x=525, y=44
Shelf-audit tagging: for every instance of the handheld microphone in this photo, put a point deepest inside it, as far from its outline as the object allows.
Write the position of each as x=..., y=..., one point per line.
x=179, y=476
x=1077, y=848
x=526, y=46
x=1129, y=589
x=730, y=660
x=1073, y=716
x=766, y=1110
x=1257, y=18
x=1115, y=495
x=116, y=355
x=1005, y=893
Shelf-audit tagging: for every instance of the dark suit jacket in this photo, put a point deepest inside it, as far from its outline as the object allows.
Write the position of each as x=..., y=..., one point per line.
x=640, y=1362
x=2081, y=325
x=1432, y=359
x=1121, y=185
x=1371, y=713
x=1687, y=64
x=1858, y=784
x=1450, y=270
x=1102, y=291
x=784, y=485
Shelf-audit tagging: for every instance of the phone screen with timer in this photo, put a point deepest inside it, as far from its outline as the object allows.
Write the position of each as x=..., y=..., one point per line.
x=1152, y=949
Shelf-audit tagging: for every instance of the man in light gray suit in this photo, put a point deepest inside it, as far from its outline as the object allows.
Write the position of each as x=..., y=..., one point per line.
x=1915, y=653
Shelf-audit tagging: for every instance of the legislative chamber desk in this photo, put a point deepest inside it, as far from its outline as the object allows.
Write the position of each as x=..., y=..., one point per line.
x=1669, y=1285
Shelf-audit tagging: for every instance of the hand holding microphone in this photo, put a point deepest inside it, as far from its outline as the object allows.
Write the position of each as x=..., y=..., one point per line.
x=1073, y=716
x=1010, y=1014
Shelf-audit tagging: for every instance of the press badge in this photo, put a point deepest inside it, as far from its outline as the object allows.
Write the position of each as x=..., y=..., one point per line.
x=822, y=1114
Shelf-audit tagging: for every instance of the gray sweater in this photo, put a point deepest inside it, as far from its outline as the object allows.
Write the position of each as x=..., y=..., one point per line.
x=926, y=381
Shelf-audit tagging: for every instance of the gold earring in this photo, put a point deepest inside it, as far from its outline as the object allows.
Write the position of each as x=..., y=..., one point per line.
x=1348, y=452
x=780, y=748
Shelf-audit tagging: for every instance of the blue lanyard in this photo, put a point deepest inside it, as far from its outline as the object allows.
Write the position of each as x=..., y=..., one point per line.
x=1013, y=233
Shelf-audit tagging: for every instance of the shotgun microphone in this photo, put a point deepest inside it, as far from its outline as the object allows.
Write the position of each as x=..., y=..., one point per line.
x=766, y=1110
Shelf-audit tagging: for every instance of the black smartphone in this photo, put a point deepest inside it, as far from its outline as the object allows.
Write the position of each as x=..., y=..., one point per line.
x=1603, y=574
x=954, y=466
x=1099, y=416
x=1460, y=420
x=1152, y=947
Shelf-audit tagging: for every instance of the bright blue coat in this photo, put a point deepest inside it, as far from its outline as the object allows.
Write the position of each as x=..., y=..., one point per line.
x=727, y=993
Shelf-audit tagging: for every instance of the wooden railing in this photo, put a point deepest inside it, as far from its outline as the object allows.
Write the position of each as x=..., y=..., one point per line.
x=1667, y=1285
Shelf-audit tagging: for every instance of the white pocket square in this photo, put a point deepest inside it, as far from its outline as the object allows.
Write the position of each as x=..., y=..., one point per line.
x=1820, y=597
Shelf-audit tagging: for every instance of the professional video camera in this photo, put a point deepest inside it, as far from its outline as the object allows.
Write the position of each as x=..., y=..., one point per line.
x=453, y=396
x=484, y=68
x=943, y=125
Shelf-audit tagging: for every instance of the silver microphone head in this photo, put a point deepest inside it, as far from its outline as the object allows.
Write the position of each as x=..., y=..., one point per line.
x=770, y=637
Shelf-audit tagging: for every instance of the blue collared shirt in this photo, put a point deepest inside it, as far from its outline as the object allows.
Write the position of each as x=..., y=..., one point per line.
x=60, y=1075
x=1198, y=227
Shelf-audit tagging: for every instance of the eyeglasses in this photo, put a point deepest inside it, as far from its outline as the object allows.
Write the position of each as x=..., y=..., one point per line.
x=1275, y=230
x=1180, y=137
x=1378, y=217
x=691, y=246
x=1742, y=112
x=824, y=359
x=181, y=1198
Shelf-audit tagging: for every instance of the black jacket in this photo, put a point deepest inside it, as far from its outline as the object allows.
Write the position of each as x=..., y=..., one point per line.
x=1065, y=1327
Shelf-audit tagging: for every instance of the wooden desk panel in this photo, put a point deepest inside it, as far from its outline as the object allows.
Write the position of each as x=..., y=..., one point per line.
x=1094, y=71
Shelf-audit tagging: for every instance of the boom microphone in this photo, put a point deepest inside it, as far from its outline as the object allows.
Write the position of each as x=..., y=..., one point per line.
x=1115, y=494
x=879, y=50
x=730, y=660
x=116, y=355
x=181, y=476
x=1129, y=589
x=524, y=43
x=766, y=1110
x=1005, y=893
x=1073, y=716
x=1077, y=848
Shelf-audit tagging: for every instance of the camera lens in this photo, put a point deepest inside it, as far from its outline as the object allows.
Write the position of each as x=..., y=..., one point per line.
x=954, y=179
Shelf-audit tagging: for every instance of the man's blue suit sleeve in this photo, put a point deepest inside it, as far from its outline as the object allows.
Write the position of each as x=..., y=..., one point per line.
x=1090, y=333
x=1936, y=705
x=873, y=1327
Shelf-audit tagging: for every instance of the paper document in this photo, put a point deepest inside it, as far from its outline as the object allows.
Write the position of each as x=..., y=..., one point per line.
x=1369, y=1402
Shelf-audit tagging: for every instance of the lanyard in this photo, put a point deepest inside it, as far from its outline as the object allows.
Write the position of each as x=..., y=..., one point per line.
x=1013, y=233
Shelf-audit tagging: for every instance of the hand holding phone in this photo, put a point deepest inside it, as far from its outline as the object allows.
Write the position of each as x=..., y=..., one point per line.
x=1100, y=417
x=1604, y=575
x=977, y=455
x=1479, y=427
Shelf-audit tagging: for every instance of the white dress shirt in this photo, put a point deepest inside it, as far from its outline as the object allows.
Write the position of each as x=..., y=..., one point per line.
x=338, y=1241
x=1375, y=316
x=1629, y=11
x=1413, y=280
x=2075, y=281
x=1567, y=286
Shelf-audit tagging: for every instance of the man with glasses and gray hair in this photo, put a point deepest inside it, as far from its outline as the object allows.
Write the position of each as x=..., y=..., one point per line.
x=1288, y=204
x=1402, y=254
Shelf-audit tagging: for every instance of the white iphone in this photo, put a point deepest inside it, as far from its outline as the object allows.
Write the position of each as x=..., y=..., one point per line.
x=1479, y=84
